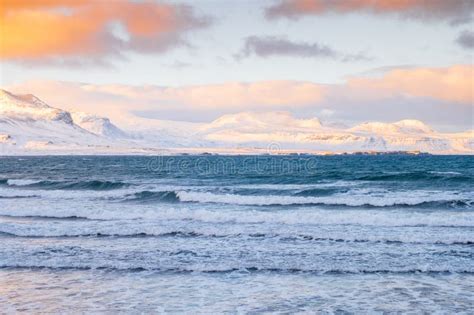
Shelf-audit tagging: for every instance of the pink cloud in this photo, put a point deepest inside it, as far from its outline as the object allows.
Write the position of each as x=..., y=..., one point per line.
x=452, y=84
x=457, y=11
x=412, y=90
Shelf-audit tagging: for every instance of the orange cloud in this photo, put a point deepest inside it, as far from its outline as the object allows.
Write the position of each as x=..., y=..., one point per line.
x=458, y=11
x=452, y=84
x=49, y=29
x=13, y=5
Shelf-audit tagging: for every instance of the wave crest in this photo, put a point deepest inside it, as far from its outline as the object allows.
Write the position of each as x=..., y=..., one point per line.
x=65, y=185
x=153, y=196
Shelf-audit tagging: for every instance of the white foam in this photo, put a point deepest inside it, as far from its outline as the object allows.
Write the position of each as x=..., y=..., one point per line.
x=378, y=198
x=339, y=183
x=22, y=182
x=307, y=215
x=277, y=232
x=445, y=173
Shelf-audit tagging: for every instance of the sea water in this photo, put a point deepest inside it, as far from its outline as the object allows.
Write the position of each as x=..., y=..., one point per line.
x=244, y=234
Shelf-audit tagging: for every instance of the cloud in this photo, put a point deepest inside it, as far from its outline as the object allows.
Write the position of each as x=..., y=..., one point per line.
x=456, y=12
x=194, y=103
x=466, y=39
x=179, y=65
x=451, y=84
x=57, y=31
x=433, y=94
x=268, y=46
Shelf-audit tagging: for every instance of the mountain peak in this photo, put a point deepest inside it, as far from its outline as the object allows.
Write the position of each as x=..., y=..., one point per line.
x=413, y=125
x=400, y=127
x=266, y=120
x=28, y=100
x=29, y=107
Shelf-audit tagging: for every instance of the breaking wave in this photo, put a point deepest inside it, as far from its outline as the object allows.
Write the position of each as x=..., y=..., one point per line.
x=405, y=199
x=152, y=196
x=305, y=216
x=64, y=185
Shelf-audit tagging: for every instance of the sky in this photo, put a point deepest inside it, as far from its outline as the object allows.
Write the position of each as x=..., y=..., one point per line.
x=349, y=61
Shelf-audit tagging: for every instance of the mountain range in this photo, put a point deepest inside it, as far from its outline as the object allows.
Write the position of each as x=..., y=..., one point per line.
x=30, y=126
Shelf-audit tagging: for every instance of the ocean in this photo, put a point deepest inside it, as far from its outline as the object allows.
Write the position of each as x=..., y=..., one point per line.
x=237, y=234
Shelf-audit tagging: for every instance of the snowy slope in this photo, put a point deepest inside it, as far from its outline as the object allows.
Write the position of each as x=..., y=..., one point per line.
x=407, y=126
x=29, y=108
x=101, y=126
x=250, y=121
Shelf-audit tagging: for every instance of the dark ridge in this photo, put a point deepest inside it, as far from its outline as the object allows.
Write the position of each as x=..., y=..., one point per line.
x=454, y=204
x=340, y=240
x=103, y=235
x=8, y=234
x=457, y=243
x=451, y=204
x=320, y=192
x=19, y=197
x=245, y=270
x=45, y=217
x=181, y=234
x=184, y=252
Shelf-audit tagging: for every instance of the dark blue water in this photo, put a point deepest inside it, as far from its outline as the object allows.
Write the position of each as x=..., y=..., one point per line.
x=237, y=234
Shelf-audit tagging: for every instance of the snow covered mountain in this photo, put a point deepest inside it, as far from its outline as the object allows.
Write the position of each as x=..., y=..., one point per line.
x=260, y=129
x=30, y=126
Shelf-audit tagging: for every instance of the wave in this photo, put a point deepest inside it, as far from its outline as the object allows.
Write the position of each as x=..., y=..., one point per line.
x=65, y=185
x=274, y=236
x=417, y=176
x=303, y=216
x=368, y=198
x=402, y=199
x=326, y=195
x=22, y=182
x=152, y=196
x=250, y=269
